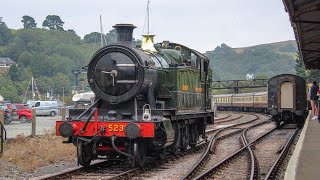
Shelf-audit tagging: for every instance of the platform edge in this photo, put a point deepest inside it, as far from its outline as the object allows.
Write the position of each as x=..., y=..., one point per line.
x=291, y=170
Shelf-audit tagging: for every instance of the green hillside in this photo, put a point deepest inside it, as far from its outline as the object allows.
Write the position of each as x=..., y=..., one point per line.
x=265, y=60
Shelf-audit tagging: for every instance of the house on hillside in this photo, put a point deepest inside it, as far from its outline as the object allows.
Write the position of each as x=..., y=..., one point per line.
x=5, y=64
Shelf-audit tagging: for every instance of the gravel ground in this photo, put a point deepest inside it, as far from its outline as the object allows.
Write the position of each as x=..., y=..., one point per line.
x=175, y=169
x=235, y=170
x=43, y=125
x=266, y=150
x=259, y=130
x=9, y=171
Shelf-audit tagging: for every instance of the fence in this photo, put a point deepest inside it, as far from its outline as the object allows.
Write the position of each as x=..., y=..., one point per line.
x=3, y=132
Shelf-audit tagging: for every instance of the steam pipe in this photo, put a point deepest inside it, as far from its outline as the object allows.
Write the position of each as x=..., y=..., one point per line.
x=84, y=112
x=88, y=120
x=135, y=109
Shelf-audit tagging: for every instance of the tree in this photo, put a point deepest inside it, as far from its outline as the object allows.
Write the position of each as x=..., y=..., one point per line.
x=71, y=30
x=53, y=22
x=5, y=34
x=111, y=36
x=8, y=89
x=93, y=37
x=308, y=75
x=28, y=22
x=14, y=73
x=299, y=67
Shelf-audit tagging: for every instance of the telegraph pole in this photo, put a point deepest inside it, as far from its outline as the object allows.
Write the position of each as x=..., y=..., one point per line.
x=32, y=88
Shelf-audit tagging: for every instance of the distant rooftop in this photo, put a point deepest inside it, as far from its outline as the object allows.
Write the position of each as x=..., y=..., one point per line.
x=6, y=60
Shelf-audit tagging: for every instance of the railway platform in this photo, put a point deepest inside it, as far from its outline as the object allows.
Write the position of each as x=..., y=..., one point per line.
x=305, y=161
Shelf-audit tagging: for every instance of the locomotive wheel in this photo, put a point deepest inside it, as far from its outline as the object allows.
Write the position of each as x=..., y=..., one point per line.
x=277, y=121
x=162, y=154
x=83, y=157
x=177, y=139
x=194, y=136
x=185, y=138
x=139, y=153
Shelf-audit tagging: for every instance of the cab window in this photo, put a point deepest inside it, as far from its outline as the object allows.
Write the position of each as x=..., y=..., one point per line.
x=37, y=104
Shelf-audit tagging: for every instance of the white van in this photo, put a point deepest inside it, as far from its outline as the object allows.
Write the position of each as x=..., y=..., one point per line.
x=45, y=108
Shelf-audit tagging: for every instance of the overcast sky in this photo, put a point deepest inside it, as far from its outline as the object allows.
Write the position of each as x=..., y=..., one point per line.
x=199, y=24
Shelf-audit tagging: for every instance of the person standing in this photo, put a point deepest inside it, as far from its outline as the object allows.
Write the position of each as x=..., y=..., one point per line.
x=314, y=99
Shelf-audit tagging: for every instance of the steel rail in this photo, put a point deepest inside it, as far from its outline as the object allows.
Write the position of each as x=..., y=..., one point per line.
x=210, y=147
x=235, y=125
x=230, y=157
x=225, y=117
x=73, y=171
x=278, y=162
x=124, y=175
x=228, y=120
x=254, y=171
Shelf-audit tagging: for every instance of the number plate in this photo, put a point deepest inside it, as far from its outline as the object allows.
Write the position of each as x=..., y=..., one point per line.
x=115, y=127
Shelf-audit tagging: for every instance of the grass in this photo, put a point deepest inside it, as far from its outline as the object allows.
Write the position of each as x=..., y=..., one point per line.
x=30, y=153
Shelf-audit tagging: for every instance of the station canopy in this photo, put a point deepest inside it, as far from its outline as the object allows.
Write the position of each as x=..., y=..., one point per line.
x=305, y=20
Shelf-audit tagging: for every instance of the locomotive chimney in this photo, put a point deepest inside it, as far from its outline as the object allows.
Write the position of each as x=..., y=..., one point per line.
x=124, y=34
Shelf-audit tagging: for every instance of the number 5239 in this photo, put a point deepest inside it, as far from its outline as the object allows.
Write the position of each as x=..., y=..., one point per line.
x=115, y=128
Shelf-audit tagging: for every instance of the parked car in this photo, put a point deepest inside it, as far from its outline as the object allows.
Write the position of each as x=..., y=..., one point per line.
x=24, y=113
x=13, y=110
x=6, y=113
x=10, y=110
x=45, y=108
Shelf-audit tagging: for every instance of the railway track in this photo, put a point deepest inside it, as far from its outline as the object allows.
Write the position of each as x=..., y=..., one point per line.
x=228, y=136
x=115, y=169
x=271, y=154
x=245, y=155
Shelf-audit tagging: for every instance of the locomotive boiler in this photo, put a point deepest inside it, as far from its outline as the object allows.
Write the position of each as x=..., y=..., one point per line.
x=149, y=101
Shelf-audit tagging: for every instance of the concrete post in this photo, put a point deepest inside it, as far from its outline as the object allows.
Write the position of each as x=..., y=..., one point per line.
x=33, y=128
x=63, y=113
x=2, y=116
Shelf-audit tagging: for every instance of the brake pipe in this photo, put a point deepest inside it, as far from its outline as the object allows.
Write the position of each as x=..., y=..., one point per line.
x=88, y=120
x=84, y=112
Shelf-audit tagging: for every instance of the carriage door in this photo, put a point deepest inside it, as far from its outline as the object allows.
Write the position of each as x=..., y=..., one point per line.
x=286, y=95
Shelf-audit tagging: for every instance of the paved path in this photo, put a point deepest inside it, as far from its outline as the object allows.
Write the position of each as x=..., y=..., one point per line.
x=309, y=159
x=43, y=124
x=305, y=161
